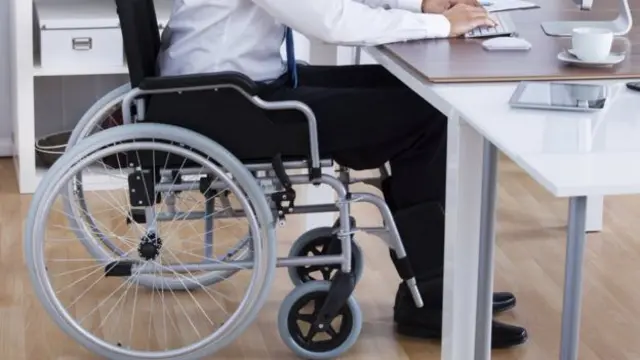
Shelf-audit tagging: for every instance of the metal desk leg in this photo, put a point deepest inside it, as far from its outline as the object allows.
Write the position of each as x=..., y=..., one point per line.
x=595, y=213
x=485, y=260
x=573, y=278
x=462, y=248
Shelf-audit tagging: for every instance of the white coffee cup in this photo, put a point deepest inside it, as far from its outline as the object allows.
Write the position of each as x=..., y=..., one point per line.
x=591, y=44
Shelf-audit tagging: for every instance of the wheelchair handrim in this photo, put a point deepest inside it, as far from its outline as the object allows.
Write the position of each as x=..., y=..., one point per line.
x=79, y=158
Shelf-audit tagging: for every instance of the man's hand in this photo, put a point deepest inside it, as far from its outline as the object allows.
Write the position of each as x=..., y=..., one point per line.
x=440, y=6
x=464, y=18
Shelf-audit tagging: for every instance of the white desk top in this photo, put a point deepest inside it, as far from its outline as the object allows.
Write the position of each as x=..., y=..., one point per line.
x=570, y=154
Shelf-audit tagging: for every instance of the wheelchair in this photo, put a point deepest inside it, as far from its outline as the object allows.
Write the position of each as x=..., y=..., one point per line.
x=235, y=160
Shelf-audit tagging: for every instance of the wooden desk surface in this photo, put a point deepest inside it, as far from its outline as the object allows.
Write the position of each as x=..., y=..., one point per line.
x=463, y=60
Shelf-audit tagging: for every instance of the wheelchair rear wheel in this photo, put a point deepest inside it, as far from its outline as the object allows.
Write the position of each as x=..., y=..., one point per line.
x=153, y=332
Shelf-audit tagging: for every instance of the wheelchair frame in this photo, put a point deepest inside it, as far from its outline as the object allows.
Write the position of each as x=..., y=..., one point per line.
x=267, y=197
x=277, y=177
x=276, y=186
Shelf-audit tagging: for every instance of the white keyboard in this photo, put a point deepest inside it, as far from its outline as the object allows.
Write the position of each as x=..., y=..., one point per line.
x=505, y=27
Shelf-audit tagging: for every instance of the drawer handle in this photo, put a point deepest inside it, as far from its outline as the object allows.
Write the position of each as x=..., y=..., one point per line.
x=82, y=44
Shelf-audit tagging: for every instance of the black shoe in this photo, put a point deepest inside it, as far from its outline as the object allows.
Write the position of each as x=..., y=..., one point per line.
x=503, y=301
x=426, y=322
x=427, y=325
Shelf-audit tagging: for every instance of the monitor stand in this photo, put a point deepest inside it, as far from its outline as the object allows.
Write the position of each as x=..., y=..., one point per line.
x=620, y=26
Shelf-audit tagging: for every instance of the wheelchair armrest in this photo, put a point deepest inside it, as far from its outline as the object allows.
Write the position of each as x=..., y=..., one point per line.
x=167, y=84
x=181, y=82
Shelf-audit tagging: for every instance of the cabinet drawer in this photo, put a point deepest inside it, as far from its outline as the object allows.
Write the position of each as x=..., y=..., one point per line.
x=78, y=33
x=81, y=47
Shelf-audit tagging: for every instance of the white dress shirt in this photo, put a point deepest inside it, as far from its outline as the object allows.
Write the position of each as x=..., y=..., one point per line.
x=205, y=36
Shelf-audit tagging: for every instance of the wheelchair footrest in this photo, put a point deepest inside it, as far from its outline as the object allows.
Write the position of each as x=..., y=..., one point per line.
x=120, y=268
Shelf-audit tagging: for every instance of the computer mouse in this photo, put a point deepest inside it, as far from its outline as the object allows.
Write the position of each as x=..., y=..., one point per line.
x=506, y=43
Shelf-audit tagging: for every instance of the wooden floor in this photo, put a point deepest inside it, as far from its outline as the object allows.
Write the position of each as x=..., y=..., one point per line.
x=529, y=262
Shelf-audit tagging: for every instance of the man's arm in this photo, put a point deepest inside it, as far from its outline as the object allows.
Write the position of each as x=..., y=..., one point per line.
x=409, y=5
x=355, y=23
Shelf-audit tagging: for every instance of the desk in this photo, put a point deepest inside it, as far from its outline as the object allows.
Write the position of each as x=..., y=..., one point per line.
x=463, y=60
x=596, y=163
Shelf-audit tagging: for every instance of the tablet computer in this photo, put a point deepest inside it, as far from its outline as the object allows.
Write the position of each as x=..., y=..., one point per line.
x=559, y=96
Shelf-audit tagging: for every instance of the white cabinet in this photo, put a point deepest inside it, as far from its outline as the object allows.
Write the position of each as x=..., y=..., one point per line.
x=72, y=33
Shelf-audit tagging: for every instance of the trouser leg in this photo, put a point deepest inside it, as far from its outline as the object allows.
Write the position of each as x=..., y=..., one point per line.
x=415, y=193
x=367, y=117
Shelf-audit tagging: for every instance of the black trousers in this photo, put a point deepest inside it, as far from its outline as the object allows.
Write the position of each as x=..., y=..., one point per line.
x=367, y=117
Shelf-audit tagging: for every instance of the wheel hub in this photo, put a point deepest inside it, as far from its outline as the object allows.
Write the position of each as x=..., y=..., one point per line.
x=149, y=247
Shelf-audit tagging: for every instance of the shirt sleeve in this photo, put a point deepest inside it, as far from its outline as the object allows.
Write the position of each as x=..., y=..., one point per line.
x=409, y=5
x=348, y=22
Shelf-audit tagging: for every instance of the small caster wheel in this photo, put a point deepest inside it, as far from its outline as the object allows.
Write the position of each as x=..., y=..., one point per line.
x=297, y=314
x=317, y=242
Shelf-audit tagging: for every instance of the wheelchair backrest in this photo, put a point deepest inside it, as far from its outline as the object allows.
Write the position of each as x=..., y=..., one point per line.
x=141, y=37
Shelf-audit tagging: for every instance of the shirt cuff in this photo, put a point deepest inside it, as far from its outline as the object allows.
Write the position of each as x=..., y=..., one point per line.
x=438, y=25
x=410, y=5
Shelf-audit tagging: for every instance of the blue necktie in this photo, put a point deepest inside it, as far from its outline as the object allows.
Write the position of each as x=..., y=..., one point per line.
x=291, y=57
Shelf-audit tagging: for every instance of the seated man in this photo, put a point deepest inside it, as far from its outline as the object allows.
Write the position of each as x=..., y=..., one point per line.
x=366, y=117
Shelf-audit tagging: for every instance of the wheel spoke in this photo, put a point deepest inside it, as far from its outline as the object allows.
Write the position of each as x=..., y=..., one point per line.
x=313, y=268
x=332, y=332
x=326, y=273
x=308, y=318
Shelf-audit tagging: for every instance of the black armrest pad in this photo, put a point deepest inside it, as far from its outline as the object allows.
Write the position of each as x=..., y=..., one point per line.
x=198, y=80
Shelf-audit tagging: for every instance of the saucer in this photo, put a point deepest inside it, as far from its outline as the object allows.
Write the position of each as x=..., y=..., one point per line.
x=568, y=57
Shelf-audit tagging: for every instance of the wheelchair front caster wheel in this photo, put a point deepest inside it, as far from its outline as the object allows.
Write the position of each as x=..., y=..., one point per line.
x=317, y=242
x=298, y=312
